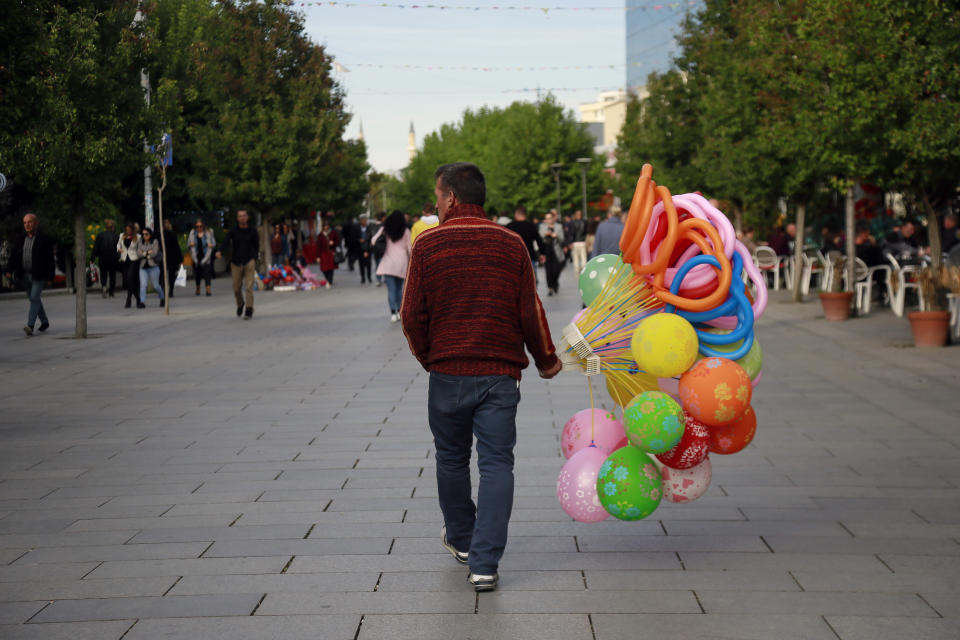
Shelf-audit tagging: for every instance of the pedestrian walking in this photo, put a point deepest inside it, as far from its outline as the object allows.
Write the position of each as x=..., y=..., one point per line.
x=608, y=235
x=365, y=250
x=105, y=253
x=243, y=242
x=377, y=249
x=174, y=256
x=396, y=256
x=554, y=254
x=32, y=263
x=150, y=262
x=127, y=247
x=577, y=237
x=201, y=243
x=327, y=245
x=530, y=235
x=469, y=307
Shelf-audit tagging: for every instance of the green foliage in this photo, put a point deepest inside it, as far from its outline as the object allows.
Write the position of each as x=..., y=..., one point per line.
x=787, y=98
x=515, y=148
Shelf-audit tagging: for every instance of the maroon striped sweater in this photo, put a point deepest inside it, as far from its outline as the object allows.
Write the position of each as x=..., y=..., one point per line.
x=470, y=300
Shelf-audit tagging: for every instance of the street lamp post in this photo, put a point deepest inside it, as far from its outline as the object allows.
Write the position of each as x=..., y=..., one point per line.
x=555, y=167
x=584, y=163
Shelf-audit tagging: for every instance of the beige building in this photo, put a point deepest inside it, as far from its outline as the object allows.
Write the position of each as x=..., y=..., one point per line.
x=605, y=117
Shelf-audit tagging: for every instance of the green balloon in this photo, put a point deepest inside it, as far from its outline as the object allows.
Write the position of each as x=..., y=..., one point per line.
x=595, y=275
x=751, y=363
x=628, y=484
x=653, y=421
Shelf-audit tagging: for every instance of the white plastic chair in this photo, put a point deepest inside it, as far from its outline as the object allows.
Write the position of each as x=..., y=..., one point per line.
x=767, y=260
x=826, y=266
x=900, y=275
x=953, y=300
x=864, y=284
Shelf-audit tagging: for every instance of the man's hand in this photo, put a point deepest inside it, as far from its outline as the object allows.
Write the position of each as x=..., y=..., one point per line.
x=552, y=370
x=219, y=255
x=542, y=259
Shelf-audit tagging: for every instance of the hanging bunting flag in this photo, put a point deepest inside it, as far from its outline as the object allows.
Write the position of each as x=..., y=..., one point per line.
x=673, y=6
x=417, y=67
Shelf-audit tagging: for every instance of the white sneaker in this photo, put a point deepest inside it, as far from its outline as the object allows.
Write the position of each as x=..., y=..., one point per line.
x=328, y=285
x=394, y=317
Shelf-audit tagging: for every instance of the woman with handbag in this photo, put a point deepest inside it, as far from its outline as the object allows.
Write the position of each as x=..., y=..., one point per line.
x=150, y=261
x=129, y=262
x=554, y=255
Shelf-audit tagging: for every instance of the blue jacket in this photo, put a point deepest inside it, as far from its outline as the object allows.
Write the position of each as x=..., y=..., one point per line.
x=607, y=239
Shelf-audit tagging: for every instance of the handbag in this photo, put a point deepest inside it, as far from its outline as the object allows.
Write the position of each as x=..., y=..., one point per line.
x=181, y=280
x=380, y=246
x=338, y=255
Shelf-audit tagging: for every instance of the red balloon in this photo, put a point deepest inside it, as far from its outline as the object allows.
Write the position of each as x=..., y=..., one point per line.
x=692, y=448
x=734, y=436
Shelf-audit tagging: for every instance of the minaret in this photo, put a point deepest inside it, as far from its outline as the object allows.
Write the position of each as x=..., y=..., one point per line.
x=411, y=142
x=360, y=137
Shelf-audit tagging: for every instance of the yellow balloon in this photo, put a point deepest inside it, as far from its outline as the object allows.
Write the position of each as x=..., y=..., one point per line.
x=664, y=345
x=623, y=386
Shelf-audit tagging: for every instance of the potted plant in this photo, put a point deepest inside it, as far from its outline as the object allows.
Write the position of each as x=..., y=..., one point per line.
x=932, y=325
x=835, y=301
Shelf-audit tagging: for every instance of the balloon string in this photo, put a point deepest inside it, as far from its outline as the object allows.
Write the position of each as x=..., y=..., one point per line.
x=590, y=387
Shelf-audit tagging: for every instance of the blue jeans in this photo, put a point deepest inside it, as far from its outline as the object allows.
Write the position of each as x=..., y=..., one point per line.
x=153, y=273
x=34, y=289
x=394, y=293
x=459, y=408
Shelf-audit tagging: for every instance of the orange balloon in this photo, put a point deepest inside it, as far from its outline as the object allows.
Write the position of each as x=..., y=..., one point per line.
x=637, y=206
x=734, y=436
x=715, y=391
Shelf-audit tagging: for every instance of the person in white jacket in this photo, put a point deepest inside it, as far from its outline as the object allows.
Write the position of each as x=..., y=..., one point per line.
x=127, y=248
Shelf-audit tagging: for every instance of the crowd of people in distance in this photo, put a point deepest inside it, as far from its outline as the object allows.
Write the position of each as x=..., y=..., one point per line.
x=377, y=246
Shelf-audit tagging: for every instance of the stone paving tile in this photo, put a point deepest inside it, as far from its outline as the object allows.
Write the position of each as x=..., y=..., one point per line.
x=25, y=572
x=17, y=612
x=410, y=602
x=593, y=602
x=115, y=552
x=194, y=567
x=859, y=563
x=713, y=626
x=447, y=626
x=296, y=627
x=871, y=627
x=149, y=607
x=456, y=580
x=276, y=583
x=689, y=580
x=816, y=602
x=78, y=589
x=312, y=547
x=262, y=532
x=113, y=630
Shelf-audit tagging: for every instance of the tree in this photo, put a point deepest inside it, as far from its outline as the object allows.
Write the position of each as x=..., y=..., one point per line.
x=515, y=147
x=74, y=114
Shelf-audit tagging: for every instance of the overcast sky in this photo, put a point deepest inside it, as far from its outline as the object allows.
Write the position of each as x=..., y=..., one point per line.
x=375, y=44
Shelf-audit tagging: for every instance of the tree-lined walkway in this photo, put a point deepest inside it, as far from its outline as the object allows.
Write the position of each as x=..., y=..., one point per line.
x=197, y=476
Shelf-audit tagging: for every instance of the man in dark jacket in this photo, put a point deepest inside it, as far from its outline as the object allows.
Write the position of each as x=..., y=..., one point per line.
x=244, y=244
x=33, y=262
x=174, y=257
x=529, y=233
x=105, y=253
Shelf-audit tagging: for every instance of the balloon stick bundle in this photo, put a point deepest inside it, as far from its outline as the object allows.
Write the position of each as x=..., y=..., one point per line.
x=670, y=325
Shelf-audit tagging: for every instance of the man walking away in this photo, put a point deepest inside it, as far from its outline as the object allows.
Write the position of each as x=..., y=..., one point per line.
x=608, y=234
x=105, y=253
x=244, y=244
x=469, y=307
x=33, y=262
x=530, y=235
x=577, y=236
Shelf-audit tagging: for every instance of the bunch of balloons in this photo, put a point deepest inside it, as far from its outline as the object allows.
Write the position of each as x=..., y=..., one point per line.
x=670, y=324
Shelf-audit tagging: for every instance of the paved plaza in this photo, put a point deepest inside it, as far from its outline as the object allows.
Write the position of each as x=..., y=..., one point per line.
x=201, y=477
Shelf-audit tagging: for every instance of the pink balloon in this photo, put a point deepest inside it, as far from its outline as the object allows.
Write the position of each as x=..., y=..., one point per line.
x=756, y=379
x=604, y=427
x=577, y=486
x=686, y=485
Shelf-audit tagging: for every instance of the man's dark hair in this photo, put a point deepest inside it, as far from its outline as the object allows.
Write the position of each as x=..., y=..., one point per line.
x=465, y=180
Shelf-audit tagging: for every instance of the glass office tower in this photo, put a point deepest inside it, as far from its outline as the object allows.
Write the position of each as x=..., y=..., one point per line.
x=651, y=27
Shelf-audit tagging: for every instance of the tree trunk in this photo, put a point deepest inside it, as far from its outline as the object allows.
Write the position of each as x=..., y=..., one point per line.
x=265, y=236
x=851, y=249
x=80, y=270
x=798, y=251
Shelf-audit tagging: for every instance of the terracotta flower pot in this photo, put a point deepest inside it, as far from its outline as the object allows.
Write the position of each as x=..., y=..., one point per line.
x=836, y=306
x=930, y=328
